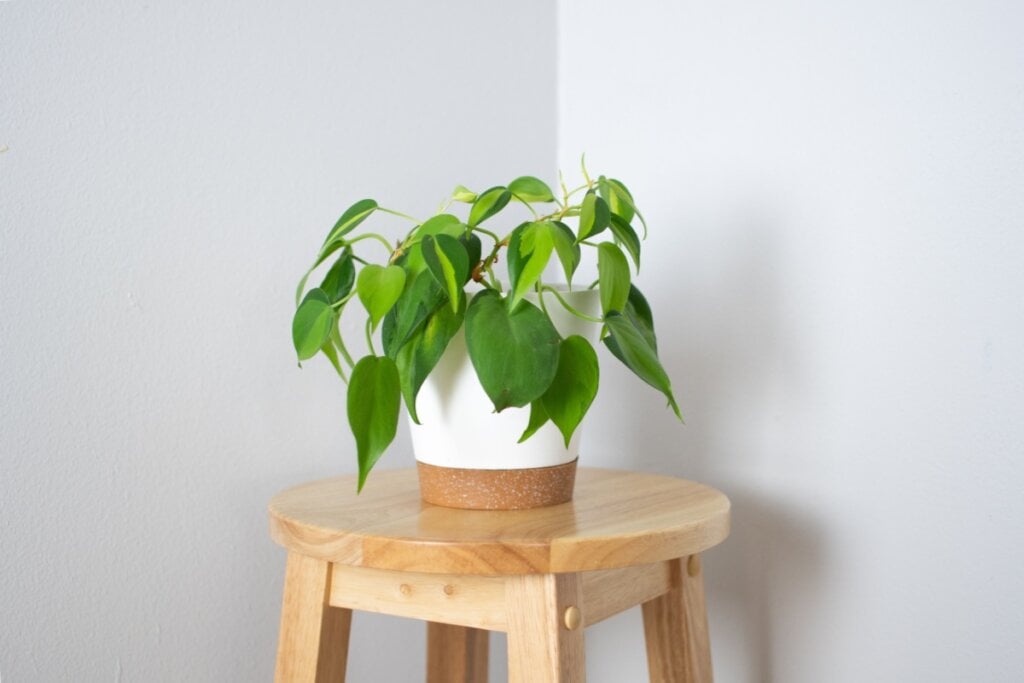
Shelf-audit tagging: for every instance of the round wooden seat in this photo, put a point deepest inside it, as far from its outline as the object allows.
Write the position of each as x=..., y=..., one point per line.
x=541, y=576
x=617, y=519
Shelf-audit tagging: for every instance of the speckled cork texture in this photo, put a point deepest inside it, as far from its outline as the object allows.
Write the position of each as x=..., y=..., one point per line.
x=471, y=489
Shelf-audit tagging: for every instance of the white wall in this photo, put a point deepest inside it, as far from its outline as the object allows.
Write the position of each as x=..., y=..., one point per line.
x=170, y=169
x=836, y=266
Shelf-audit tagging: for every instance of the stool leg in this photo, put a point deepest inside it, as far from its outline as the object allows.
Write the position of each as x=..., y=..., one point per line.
x=456, y=654
x=676, y=629
x=313, y=643
x=545, y=636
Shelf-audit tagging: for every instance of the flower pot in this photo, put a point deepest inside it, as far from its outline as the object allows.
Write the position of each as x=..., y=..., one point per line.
x=468, y=456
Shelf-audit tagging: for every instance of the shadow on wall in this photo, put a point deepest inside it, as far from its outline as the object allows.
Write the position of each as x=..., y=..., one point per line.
x=739, y=373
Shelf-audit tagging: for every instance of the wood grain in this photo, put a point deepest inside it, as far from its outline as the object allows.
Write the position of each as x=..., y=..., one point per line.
x=616, y=519
x=312, y=644
x=456, y=654
x=676, y=629
x=541, y=649
x=477, y=601
x=608, y=592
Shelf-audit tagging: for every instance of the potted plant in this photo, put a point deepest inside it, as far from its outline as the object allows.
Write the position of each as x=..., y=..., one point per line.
x=496, y=377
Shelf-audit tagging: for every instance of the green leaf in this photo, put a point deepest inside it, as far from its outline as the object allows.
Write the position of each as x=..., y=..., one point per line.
x=567, y=248
x=529, y=189
x=418, y=357
x=448, y=263
x=332, y=355
x=625, y=234
x=339, y=279
x=572, y=391
x=379, y=288
x=320, y=259
x=625, y=203
x=487, y=204
x=629, y=345
x=638, y=311
x=420, y=299
x=515, y=353
x=374, y=397
x=474, y=249
x=538, y=418
x=441, y=224
x=594, y=215
x=353, y=216
x=312, y=324
x=529, y=251
x=615, y=203
x=612, y=277
x=463, y=194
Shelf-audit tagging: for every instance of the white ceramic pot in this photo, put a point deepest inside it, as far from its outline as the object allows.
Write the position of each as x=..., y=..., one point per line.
x=459, y=426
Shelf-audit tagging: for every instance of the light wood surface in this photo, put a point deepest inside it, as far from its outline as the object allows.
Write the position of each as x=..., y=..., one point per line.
x=541, y=646
x=608, y=592
x=312, y=644
x=676, y=629
x=456, y=654
x=616, y=519
x=477, y=601
x=540, y=575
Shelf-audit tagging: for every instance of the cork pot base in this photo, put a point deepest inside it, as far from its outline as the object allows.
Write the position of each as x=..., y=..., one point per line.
x=519, y=489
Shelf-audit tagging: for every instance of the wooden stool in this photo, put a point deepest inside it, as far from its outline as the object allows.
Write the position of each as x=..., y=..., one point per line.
x=540, y=575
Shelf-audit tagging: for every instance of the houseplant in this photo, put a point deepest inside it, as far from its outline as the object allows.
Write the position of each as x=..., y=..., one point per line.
x=439, y=282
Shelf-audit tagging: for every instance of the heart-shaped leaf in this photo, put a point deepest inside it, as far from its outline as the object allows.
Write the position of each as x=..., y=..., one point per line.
x=629, y=345
x=538, y=418
x=514, y=353
x=448, y=262
x=612, y=277
x=420, y=299
x=487, y=204
x=473, y=248
x=418, y=357
x=441, y=224
x=323, y=256
x=620, y=200
x=529, y=189
x=567, y=248
x=378, y=288
x=311, y=325
x=374, y=397
x=594, y=215
x=529, y=250
x=353, y=216
x=575, y=385
x=626, y=235
x=339, y=279
x=638, y=311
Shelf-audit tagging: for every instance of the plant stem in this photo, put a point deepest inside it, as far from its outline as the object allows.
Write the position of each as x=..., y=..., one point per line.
x=374, y=236
x=574, y=311
x=492, y=235
x=494, y=280
x=341, y=302
x=540, y=298
x=369, y=338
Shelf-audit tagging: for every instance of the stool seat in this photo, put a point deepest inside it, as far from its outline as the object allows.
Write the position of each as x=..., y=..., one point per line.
x=617, y=519
x=540, y=575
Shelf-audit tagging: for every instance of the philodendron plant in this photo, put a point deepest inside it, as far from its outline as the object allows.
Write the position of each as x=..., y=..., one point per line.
x=422, y=290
